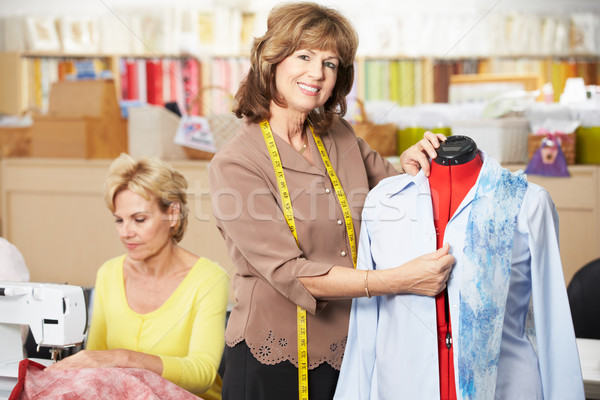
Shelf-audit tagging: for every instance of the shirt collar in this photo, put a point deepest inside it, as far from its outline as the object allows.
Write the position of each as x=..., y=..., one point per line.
x=420, y=179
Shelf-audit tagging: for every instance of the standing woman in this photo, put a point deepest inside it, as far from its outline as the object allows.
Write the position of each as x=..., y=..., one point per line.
x=158, y=307
x=296, y=157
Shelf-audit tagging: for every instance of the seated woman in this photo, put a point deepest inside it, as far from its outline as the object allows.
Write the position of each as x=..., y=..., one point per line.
x=159, y=307
x=12, y=264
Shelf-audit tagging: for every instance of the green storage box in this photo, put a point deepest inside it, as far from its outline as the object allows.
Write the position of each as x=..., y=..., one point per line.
x=587, y=149
x=409, y=136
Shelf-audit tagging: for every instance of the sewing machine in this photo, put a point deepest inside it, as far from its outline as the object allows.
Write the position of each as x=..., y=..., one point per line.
x=56, y=315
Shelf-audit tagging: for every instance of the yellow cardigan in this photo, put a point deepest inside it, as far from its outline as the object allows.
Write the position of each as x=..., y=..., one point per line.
x=186, y=332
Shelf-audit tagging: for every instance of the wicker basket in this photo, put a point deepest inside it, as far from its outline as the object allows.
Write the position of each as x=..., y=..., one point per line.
x=383, y=138
x=503, y=139
x=223, y=127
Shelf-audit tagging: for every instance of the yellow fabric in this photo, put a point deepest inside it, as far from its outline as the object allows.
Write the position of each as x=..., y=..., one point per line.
x=186, y=332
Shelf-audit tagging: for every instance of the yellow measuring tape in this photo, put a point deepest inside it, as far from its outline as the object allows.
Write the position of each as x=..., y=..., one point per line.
x=339, y=191
x=288, y=213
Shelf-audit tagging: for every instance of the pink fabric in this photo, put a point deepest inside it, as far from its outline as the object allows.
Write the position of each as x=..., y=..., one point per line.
x=94, y=384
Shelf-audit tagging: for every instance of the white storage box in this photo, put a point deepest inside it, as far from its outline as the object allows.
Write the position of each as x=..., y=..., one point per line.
x=503, y=139
x=151, y=130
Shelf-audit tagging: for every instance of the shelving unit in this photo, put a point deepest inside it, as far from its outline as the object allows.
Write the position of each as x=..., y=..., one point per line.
x=20, y=70
x=14, y=98
x=26, y=80
x=63, y=249
x=426, y=80
x=407, y=81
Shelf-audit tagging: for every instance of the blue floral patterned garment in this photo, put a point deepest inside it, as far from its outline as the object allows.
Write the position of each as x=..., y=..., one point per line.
x=486, y=277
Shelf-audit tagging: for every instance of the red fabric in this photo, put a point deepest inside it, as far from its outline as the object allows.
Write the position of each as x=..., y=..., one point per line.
x=154, y=82
x=131, y=74
x=449, y=186
x=93, y=384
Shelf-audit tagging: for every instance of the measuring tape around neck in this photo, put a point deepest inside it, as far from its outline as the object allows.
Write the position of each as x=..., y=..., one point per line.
x=288, y=213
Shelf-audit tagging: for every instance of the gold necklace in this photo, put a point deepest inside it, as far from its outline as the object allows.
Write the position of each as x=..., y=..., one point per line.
x=303, y=149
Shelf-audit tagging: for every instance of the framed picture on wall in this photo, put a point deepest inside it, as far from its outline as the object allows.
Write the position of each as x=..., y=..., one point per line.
x=41, y=34
x=78, y=34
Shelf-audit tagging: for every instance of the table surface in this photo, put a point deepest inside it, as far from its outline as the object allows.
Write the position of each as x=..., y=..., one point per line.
x=589, y=355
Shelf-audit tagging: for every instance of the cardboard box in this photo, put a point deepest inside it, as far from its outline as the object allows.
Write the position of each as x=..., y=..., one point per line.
x=92, y=98
x=151, y=131
x=84, y=121
x=77, y=137
x=15, y=141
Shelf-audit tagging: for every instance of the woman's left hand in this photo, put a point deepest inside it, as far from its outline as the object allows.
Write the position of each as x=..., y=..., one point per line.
x=416, y=156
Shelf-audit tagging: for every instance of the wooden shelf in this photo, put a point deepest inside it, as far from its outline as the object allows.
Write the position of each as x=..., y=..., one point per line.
x=529, y=81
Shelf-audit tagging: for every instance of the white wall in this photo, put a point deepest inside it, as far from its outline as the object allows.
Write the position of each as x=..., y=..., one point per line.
x=439, y=28
x=95, y=7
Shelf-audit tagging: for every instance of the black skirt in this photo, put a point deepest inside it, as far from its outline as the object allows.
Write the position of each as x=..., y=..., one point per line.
x=246, y=378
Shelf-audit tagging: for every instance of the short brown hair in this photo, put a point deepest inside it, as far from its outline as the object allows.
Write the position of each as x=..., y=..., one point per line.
x=148, y=177
x=291, y=27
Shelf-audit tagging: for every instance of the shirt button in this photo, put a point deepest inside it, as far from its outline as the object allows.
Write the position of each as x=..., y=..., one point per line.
x=455, y=307
x=327, y=190
x=343, y=253
x=339, y=221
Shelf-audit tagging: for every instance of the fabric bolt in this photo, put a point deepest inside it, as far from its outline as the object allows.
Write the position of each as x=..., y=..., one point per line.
x=247, y=206
x=392, y=343
x=185, y=332
x=94, y=384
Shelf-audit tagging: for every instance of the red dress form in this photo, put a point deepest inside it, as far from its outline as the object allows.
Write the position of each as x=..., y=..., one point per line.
x=449, y=185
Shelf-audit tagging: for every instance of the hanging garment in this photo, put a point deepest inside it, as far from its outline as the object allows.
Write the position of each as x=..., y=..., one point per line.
x=392, y=352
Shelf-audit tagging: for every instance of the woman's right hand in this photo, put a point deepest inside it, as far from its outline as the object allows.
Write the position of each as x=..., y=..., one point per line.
x=426, y=275
x=88, y=359
x=416, y=157
x=110, y=358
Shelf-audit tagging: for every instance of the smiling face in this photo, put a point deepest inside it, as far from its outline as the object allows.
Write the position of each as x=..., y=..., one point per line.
x=143, y=228
x=306, y=79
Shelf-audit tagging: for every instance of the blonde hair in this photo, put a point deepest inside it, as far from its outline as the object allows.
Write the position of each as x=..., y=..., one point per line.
x=291, y=27
x=148, y=177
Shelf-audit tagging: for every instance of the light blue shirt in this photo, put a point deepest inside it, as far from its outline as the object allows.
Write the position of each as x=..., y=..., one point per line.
x=391, y=351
